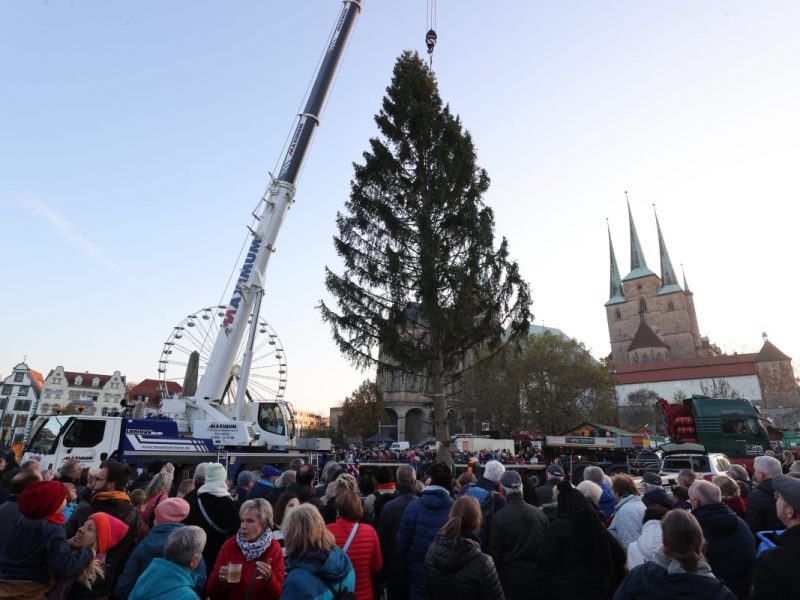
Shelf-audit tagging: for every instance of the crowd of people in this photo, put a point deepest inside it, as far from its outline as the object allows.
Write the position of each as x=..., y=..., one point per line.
x=427, y=456
x=398, y=533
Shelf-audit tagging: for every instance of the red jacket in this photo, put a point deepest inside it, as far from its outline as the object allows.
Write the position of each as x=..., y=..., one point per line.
x=263, y=590
x=737, y=504
x=364, y=553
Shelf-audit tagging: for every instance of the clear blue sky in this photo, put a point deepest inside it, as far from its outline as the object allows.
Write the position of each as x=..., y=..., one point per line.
x=135, y=139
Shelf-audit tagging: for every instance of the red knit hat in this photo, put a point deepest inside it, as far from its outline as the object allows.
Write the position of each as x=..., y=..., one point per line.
x=110, y=530
x=41, y=499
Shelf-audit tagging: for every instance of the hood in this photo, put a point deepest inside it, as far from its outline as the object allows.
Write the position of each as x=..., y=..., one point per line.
x=435, y=498
x=163, y=577
x=717, y=518
x=158, y=535
x=633, y=498
x=660, y=584
x=332, y=567
x=448, y=559
x=790, y=539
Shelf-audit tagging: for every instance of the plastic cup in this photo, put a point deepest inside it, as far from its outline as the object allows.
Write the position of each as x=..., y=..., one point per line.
x=234, y=572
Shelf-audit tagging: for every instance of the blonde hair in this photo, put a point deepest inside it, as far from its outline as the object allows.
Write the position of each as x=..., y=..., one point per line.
x=89, y=573
x=161, y=483
x=727, y=485
x=304, y=529
x=345, y=483
x=261, y=507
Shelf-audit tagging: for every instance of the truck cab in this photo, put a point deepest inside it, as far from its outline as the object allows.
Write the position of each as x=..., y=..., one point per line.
x=89, y=439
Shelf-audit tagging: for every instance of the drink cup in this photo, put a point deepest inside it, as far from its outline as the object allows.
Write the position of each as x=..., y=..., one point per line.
x=234, y=572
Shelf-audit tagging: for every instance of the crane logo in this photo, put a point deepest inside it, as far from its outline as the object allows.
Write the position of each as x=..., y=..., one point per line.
x=247, y=268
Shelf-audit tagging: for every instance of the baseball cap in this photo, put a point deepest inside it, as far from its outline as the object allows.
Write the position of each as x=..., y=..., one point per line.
x=555, y=470
x=510, y=479
x=789, y=490
x=268, y=471
x=651, y=478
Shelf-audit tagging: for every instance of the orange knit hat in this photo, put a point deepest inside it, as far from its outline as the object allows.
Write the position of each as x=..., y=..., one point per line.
x=110, y=531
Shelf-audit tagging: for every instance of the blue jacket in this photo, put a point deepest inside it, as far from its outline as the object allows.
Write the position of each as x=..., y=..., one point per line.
x=264, y=489
x=306, y=575
x=421, y=521
x=152, y=547
x=607, y=501
x=165, y=580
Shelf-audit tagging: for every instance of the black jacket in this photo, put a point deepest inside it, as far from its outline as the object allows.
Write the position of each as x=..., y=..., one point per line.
x=304, y=492
x=777, y=575
x=395, y=569
x=652, y=582
x=463, y=572
x=760, y=513
x=223, y=512
x=517, y=536
x=730, y=550
x=544, y=493
x=569, y=566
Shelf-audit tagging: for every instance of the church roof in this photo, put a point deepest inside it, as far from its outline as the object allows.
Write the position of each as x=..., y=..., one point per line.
x=616, y=295
x=638, y=262
x=769, y=352
x=541, y=330
x=669, y=281
x=646, y=338
x=701, y=367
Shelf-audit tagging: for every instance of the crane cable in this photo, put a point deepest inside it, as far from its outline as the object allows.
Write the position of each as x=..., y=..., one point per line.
x=430, y=37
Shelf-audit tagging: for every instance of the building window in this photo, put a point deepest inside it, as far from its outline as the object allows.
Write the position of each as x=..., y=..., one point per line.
x=22, y=405
x=618, y=314
x=642, y=305
x=96, y=382
x=7, y=389
x=78, y=380
x=48, y=394
x=18, y=377
x=670, y=305
x=23, y=390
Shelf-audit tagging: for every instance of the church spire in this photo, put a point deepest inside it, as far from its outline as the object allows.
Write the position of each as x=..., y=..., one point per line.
x=638, y=263
x=669, y=282
x=616, y=294
x=685, y=285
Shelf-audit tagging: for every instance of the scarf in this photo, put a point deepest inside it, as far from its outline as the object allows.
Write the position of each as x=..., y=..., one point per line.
x=252, y=550
x=215, y=489
x=386, y=486
x=57, y=518
x=118, y=496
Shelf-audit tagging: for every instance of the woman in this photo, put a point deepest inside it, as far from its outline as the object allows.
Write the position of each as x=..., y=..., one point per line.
x=679, y=570
x=157, y=491
x=731, y=494
x=649, y=542
x=627, y=520
x=455, y=567
x=250, y=564
x=593, y=494
x=316, y=569
x=358, y=540
x=345, y=482
x=285, y=505
x=788, y=459
x=581, y=558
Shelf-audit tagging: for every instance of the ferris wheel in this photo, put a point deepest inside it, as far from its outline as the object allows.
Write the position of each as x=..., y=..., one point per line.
x=198, y=333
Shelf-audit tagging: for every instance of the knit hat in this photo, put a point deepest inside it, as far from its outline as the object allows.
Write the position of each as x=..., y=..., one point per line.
x=172, y=510
x=493, y=470
x=41, y=499
x=215, y=473
x=244, y=478
x=441, y=476
x=268, y=471
x=110, y=530
x=511, y=480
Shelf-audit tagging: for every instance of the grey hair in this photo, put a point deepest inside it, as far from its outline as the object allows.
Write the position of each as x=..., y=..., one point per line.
x=769, y=465
x=493, y=471
x=69, y=466
x=406, y=476
x=593, y=473
x=590, y=490
x=285, y=479
x=515, y=491
x=296, y=463
x=161, y=482
x=200, y=472
x=738, y=472
x=262, y=508
x=331, y=469
x=706, y=492
x=687, y=474
x=184, y=544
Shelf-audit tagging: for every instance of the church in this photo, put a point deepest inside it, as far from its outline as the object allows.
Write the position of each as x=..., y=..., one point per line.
x=656, y=344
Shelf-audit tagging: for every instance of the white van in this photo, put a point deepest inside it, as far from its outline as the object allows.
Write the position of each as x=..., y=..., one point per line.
x=398, y=446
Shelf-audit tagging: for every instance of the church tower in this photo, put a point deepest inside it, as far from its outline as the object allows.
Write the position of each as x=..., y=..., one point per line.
x=650, y=318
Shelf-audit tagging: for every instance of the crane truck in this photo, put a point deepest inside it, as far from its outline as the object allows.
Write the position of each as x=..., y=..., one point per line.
x=203, y=427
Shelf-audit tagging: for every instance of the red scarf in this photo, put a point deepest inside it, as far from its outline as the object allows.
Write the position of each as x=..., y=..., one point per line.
x=386, y=486
x=57, y=518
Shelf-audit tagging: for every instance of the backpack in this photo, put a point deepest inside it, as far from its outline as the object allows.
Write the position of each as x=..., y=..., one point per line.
x=487, y=500
x=380, y=501
x=340, y=594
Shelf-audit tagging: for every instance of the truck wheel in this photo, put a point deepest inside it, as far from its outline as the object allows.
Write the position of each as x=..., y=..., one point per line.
x=612, y=470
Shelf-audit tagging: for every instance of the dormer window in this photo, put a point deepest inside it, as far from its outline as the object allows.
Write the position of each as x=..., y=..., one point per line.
x=96, y=382
x=78, y=380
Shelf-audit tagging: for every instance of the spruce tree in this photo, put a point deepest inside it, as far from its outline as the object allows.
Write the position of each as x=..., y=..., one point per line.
x=423, y=284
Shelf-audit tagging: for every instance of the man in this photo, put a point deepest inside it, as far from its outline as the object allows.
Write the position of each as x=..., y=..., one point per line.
x=172, y=577
x=517, y=535
x=729, y=550
x=295, y=464
x=330, y=472
x=244, y=483
x=70, y=472
x=761, y=513
x=544, y=493
x=685, y=479
x=395, y=571
x=486, y=491
x=265, y=487
x=653, y=491
x=387, y=491
x=607, y=502
x=109, y=497
x=777, y=576
x=303, y=485
x=9, y=511
x=739, y=474
x=421, y=521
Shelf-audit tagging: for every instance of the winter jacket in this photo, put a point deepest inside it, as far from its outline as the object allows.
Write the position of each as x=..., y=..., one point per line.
x=760, y=514
x=569, y=565
x=220, y=509
x=308, y=577
x=364, y=553
x=626, y=525
x=395, y=570
x=737, y=505
x=517, y=536
x=662, y=579
x=730, y=549
x=421, y=522
x=644, y=548
x=304, y=492
x=34, y=547
x=776, y=575
x=152, y=547
x=607, y=501
x=265, y=489
x=9, y=513
x=150, y=507
x=165, y=580
x=544, y=493
x=462, y=572
x=263, y=589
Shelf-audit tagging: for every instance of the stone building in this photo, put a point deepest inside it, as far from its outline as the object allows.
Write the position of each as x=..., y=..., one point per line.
x=19, y=396
x=97, y=394
x=308, y=420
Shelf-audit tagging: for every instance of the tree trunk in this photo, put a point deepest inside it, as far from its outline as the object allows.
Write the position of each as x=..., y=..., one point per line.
x=440, y=413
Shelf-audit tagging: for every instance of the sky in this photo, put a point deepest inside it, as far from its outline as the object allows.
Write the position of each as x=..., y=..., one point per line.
x=136, y=139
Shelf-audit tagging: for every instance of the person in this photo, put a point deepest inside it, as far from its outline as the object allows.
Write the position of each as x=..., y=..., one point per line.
x=678, y=570
x=455, y=567
x=731, y=494
x=9, y=510
x=627, y=521
x=185, y=488
x=70, y=472
x=265, y=487
x=516, y=538
x=330, y=472
x=607, y=501
x=653, y=491
x=760, y=513
x=593, y=493
x=214, y=511
x=36, y=544
x=302, y=487
x=387, y=490
x=739, y=474
x=244, y=483
x=580, y=557
x=285, y=505
x=316, y=568
x=486, y=491
x=256, y=556
x=173, y=577
x=544, y=493
x=109, y=497
x=358, y=540
x=72, y=500
x=169, y=517
x=344, y=483
x=198, y=479
x=395, y=571
x=649, y=541
x=147, y=474
x=776, y=575
x=421, y=521
x=157, y=491
x=788, y=460
x=729, y=543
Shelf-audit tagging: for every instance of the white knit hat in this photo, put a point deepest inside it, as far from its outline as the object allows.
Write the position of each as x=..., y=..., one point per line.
x=494, y=470
x=215, y=473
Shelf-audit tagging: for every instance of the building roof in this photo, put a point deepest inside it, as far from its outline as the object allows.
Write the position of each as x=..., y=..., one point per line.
x=726, y=365
x=645, y=337
x=769, y=352
x=37, y=381
x=616, y=294
x=638, y=262
x=152, y=389
x=669, y=281
x=541, y=330
x=618, y=431
x=87, y=378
